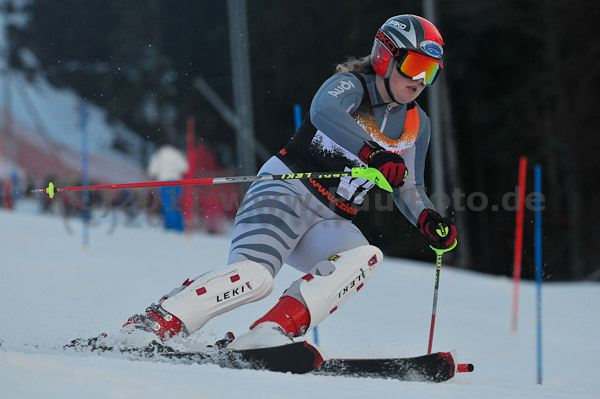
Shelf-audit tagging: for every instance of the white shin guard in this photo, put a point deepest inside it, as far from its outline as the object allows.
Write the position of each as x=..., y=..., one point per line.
x=335, y=281
x=219, y=291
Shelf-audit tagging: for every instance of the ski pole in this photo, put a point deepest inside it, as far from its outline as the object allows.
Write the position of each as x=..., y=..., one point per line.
x=370, y=174
x=438, y=263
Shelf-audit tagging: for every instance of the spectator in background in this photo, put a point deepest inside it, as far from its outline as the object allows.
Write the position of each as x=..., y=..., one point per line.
x=2, y=195
x=168, y=163
x=216, y=203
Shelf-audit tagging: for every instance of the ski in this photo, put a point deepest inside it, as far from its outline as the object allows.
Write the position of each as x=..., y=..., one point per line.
x=297, y=358
x=435, y=367
x=302, y=358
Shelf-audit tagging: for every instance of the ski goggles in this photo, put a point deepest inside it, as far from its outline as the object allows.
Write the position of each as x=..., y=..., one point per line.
x=416, y=66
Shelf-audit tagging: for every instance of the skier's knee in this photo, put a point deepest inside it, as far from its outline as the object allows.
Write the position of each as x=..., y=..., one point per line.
x=217, y=292
x=333, y=282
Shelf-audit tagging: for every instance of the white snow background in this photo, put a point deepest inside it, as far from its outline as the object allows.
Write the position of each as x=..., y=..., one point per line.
x=53, y=291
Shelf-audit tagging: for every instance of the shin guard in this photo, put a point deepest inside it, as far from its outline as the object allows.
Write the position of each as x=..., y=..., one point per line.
x=335, y=281
x=217, y=292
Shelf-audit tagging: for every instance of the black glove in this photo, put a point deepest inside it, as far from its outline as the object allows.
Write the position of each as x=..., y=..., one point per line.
x=440, y=230
x=390, y=164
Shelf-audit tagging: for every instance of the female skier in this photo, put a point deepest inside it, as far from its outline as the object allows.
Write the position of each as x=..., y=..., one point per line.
x=365, y=115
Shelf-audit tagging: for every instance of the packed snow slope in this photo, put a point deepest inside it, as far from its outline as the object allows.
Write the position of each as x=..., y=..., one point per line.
x=53, y=291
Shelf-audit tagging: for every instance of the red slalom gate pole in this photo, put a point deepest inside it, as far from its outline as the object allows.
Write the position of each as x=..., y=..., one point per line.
x=188, y=195
x=518, y=242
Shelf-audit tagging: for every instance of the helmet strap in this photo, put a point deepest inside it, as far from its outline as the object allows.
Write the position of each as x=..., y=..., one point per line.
x=386, y=83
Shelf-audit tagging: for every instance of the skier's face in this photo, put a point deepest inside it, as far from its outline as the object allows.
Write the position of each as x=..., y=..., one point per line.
x=405, y=89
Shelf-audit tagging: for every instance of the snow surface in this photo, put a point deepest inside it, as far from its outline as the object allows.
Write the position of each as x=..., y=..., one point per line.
x=53, y=291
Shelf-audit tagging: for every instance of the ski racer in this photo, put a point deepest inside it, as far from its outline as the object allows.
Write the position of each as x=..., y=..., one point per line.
x=364, y=115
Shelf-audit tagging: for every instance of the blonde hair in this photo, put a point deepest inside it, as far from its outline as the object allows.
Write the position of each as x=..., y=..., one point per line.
x=360, y=65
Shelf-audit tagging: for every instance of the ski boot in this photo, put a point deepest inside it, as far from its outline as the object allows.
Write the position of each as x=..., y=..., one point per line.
x=288, y=318
x=144, y=330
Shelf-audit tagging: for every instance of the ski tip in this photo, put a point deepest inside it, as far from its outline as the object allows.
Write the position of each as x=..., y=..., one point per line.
x=465, y=368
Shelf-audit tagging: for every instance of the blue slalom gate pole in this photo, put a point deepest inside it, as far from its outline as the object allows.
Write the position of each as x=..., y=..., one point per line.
x=84, y=176
x=297, y=116
x=297, y=123
x=538, y=267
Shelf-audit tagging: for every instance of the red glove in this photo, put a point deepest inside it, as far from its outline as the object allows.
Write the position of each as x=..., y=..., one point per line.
x=390, y=164
x=438, y=229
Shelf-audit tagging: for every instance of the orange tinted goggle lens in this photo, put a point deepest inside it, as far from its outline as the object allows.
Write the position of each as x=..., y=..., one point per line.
x=414, y=64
